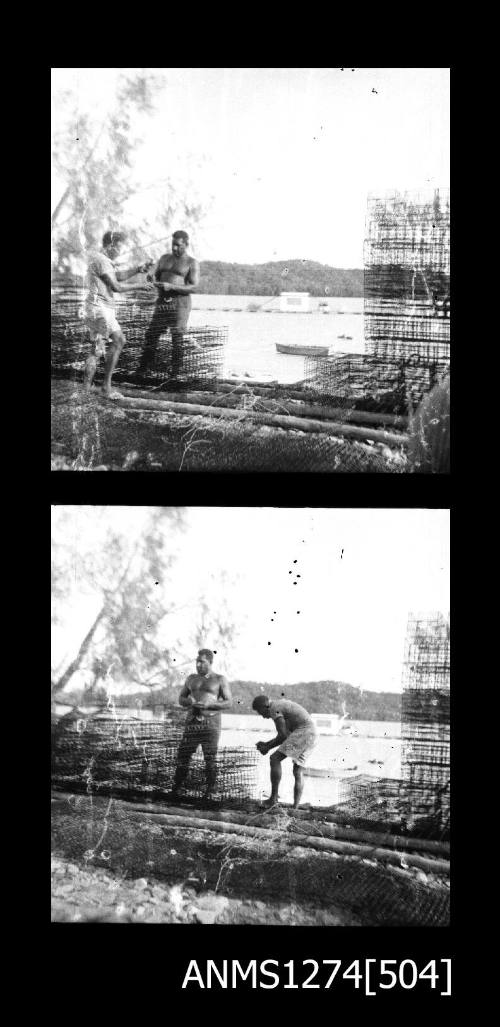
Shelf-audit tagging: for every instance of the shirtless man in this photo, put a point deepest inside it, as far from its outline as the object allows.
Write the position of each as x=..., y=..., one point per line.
x=296, y=738
x=204, y=694
x=177, y=275
x=102, y=283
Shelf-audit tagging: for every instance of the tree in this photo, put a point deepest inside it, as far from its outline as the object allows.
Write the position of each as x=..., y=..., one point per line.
x=125, y=573
x=96, y=161
x=215, y=625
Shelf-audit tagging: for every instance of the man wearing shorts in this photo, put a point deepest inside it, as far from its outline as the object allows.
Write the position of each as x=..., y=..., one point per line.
x=177, y=275
x=204, y=695
x=103, y=281
x=296, y=738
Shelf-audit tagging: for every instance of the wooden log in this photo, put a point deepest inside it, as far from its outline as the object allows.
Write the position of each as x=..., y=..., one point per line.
x=296, y=408
x=265, y=390
x=326, y=830
x=286, y=421
x=436, y=866
x=344, y=820
x=252, y=381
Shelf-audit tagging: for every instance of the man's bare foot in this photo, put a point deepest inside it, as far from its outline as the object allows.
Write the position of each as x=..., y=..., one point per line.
x=269, y=803
x=112, y=394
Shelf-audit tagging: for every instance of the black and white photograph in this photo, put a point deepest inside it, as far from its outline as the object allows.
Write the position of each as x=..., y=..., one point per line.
x=250, y=270
x=251, y=725
x=250, y=713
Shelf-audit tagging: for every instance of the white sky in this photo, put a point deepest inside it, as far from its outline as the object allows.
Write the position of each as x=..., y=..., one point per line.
x=288, y=155
x=361, y=573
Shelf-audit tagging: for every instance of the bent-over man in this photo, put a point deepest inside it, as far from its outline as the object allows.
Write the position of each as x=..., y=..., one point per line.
x=103, y=281
x=177, y=276
x=296, y=737
x=204, y=695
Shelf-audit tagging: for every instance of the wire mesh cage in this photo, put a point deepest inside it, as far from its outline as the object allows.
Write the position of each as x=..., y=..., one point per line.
x=407, y=274
x=425, y=757
x=389, y=379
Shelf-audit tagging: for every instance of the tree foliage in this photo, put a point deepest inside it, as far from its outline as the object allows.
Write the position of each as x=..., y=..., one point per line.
x=96, y=162
x=216, y=626
x=127, y=575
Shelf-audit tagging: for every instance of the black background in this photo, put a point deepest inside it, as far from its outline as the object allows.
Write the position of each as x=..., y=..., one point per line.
x=137, y=970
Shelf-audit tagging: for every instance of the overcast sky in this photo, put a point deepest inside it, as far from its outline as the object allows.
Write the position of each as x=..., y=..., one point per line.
x=287, y=155
x=355, y=576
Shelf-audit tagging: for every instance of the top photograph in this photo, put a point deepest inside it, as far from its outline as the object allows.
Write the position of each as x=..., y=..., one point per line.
x=250, y=270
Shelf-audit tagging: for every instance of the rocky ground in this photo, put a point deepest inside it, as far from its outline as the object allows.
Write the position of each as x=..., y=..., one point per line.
x=89, y=894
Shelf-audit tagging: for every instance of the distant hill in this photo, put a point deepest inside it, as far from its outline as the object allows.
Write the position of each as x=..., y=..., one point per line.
x=323, y=697
x=218, y=278
x=316, y=696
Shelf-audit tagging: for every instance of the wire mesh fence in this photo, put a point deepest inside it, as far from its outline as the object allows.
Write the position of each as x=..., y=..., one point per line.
x=194, y=356
x=126, y=755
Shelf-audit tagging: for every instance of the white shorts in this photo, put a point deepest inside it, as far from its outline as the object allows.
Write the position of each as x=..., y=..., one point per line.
x=299, y=744
x=101, y=321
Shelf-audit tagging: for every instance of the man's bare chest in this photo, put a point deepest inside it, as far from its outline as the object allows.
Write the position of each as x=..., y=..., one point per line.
x=174, y=267
x=201, y=685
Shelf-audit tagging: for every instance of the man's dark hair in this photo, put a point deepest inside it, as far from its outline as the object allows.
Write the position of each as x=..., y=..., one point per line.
x=207, y=653
x=111, y=238
x=181, y=235
x=261, y=702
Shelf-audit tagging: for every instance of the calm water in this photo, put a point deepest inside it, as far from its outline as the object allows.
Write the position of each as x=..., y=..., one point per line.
x=252, y=337
x=375, y=750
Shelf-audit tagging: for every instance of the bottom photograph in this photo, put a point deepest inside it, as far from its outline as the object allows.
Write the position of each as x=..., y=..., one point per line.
x=250, y=716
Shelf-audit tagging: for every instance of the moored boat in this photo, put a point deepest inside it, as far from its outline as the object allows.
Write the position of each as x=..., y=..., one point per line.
x=329, y=772
x=305, y=351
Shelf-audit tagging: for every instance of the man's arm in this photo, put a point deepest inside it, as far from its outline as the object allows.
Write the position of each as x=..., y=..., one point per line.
x=112, y=283
x=264, y=747
x=158, y=270
x=192, y=284
x=224, y=698
x=185, y=696
x=123, y=275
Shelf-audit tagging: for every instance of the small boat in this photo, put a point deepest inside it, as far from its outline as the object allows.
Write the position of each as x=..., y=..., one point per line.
x=302, y=351
x=330, y=772
x=320, y=772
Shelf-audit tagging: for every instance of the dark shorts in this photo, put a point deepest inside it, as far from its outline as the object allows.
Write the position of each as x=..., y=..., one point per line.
x=205, y=733
x=172, y=313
